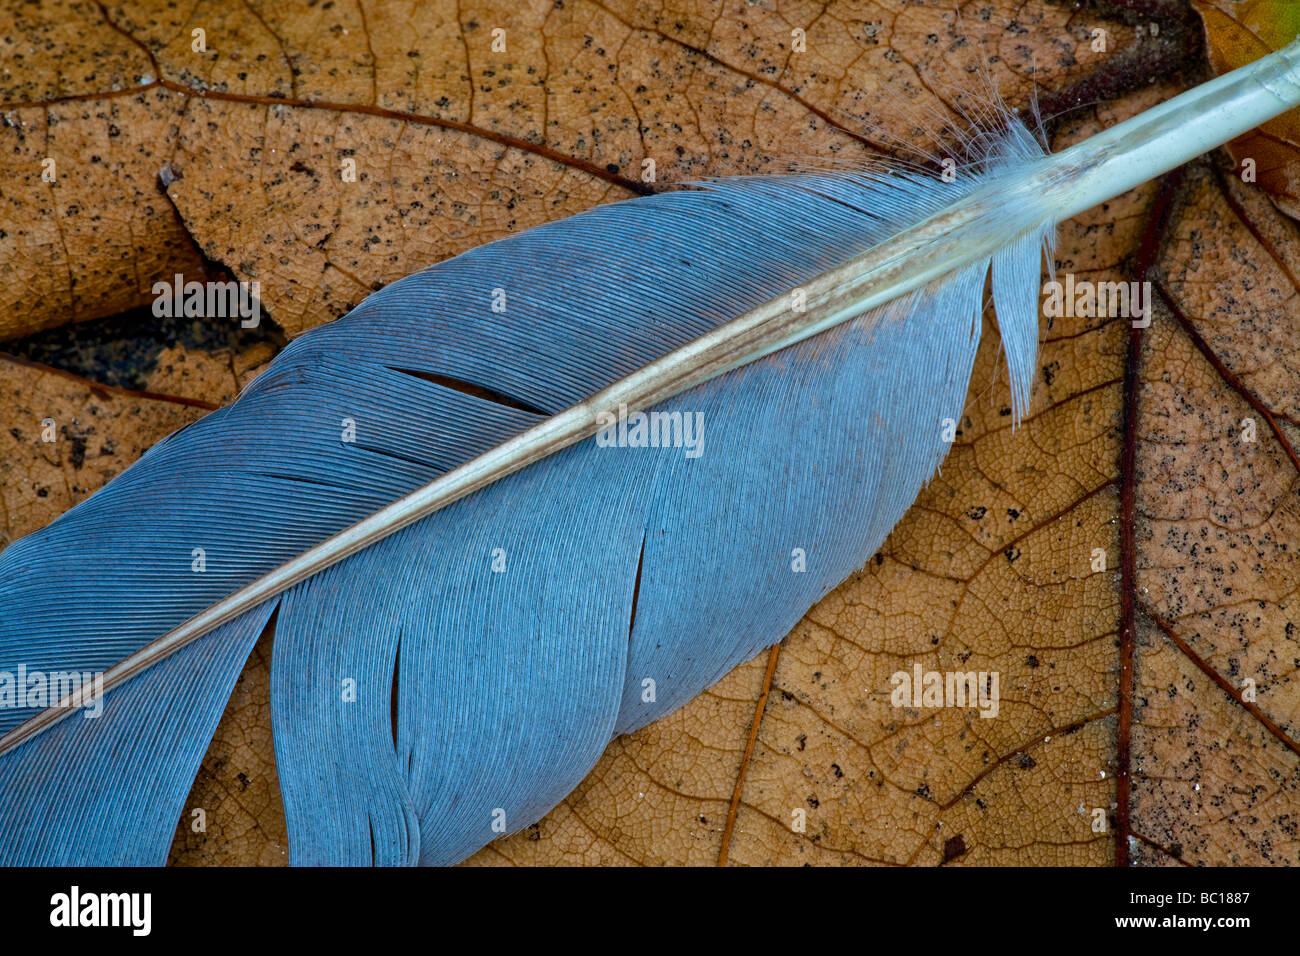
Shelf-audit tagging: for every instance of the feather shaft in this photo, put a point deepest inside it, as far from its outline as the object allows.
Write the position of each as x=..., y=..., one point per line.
x=1174, y=132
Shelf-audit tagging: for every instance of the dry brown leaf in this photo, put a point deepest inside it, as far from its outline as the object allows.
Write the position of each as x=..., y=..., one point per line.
x=454, y=144
x=86, y=236
x=64, y=438
x=993, y=569
x=1217, y=723
x=91, y=242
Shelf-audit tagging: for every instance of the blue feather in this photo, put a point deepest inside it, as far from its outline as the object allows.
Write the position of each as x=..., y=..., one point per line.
x=503, y=625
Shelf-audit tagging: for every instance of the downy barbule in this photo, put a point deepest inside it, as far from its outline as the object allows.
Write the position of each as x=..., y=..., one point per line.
x=497, y=584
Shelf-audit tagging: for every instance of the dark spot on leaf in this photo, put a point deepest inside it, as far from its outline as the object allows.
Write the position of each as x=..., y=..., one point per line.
x=953, y=847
